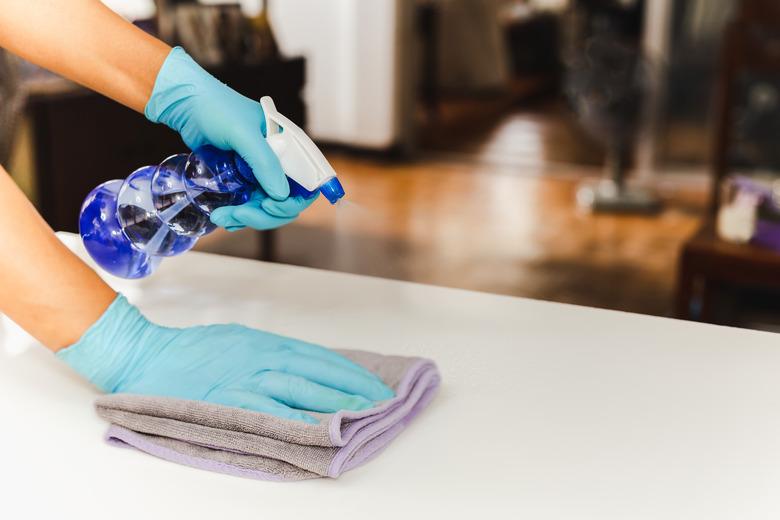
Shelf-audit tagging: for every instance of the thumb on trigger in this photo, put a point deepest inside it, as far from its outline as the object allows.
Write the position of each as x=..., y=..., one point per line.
x=265, y=166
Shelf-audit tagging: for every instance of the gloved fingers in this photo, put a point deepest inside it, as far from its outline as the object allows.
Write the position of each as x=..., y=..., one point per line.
x=249, y=214
x=352, y=380
x=290, y=207
x=304, y=394
x=254, y=149
x=258, y=403
x=256, y=218
x=223, y=217
x=316, y=351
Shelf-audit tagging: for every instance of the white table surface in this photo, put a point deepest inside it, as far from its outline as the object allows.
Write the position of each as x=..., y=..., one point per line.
x=547, y=411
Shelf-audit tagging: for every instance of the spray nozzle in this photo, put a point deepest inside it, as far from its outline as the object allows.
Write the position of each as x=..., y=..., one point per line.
x=300, y=158
x=332, y=190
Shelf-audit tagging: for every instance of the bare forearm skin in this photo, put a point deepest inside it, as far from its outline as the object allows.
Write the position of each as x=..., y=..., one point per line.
x=44, y=287
x=86, y=42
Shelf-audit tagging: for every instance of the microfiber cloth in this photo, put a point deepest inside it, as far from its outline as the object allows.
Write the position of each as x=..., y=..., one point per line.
x=257, y=445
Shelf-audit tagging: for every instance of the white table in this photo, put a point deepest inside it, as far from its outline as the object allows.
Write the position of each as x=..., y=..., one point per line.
x=547, y=411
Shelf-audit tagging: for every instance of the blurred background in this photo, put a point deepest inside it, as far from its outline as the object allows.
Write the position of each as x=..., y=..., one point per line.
x=612, y=153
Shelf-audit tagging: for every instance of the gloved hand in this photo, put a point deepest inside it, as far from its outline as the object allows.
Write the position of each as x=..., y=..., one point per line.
x=206, y=111
x=226, y=364
x=261, y=212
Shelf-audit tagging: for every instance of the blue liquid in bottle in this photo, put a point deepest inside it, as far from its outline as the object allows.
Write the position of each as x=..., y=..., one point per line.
x=129, y=226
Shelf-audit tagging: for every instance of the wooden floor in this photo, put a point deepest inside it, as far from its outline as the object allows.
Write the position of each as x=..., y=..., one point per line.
x=495, y=213
x=541, y=133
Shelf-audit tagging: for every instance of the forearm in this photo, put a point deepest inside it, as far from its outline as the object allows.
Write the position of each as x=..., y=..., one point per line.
x=44, y=287
x=86, y=42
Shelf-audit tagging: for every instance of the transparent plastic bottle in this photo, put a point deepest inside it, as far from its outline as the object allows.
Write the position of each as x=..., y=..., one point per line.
x=128, y=226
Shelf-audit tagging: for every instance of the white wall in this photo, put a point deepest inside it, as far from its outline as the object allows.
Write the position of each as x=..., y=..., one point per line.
x=352, y=50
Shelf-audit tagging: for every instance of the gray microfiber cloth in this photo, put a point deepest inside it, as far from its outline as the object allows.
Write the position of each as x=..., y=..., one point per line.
x=257, y=445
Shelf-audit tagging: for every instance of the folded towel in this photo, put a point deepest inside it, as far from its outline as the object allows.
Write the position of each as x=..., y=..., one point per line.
x=257, y=445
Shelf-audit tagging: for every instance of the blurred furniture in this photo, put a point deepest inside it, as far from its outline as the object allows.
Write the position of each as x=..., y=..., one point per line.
x=709, y=268
x=216, y=34
x=11, y=101
x=687, y=37
x=82, y=139
x=470, y=48
x=427, y=16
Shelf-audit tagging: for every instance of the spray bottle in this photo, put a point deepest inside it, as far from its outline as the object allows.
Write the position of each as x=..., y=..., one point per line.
x=128, y=226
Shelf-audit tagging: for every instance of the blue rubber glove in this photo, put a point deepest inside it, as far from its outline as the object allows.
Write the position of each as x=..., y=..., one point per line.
x=260, y=212
x=206, y=111
x=226, y=364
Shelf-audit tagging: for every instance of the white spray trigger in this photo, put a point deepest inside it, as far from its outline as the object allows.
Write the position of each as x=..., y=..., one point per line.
x=300, y=158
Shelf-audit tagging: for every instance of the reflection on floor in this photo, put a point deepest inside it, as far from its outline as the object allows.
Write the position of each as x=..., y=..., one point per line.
x=541, y=133
x=473, y=222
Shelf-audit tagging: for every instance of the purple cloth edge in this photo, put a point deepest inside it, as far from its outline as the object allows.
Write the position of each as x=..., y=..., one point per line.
x=367, y=434
x=371, y=448
x=119, y=436
x=340, y=435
